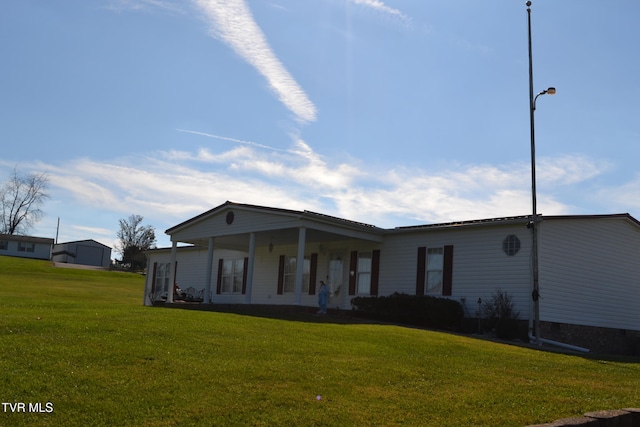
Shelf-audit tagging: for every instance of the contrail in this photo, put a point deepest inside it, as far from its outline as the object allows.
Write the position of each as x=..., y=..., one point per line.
x=239, y=141
x=232, y=22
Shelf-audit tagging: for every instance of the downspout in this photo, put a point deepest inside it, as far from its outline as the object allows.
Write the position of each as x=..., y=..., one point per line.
x=558, y=344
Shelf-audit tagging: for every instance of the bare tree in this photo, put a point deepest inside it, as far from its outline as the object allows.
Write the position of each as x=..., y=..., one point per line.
x=22, y=197
x=134, y=239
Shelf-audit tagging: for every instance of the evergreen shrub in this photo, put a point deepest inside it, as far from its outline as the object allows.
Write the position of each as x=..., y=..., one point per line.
x=414, y=310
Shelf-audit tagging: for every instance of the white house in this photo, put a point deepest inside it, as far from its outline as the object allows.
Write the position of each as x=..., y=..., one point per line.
x=589, y=272
x=25, y=246
x=83, y=252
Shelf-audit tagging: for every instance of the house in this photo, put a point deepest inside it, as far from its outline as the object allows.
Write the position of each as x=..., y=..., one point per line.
x=25, y=246
x=83, y=252
x=589, y=274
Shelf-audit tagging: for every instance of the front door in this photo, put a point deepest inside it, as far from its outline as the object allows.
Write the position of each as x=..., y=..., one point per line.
x=335, y=280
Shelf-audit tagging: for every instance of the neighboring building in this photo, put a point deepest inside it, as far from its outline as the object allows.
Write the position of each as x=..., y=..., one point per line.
x=589, y=269
x=25, y=246
x=83, y=252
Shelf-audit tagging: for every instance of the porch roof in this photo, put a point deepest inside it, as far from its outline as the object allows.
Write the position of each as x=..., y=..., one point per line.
x=230, y=224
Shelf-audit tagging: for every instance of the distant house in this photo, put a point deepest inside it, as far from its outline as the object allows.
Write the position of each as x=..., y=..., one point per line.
x=25, y=246
x=589, y=265
x=83, y=252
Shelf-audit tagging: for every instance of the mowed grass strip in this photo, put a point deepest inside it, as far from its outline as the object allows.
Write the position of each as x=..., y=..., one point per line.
x=83, y=341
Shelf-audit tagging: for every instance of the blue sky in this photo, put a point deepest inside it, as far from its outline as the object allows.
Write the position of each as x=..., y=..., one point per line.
x=394, y=112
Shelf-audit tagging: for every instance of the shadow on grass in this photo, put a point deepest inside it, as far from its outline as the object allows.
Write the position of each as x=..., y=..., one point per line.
x=349, y=317
x=282, y=312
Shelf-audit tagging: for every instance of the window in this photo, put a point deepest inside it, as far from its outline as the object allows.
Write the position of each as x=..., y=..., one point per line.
x=163, y=275
x=4, y=245
x=435, y=264
x=364, y=273
x=26, y=247
x=511, y=245
x=290, y=270
x=232, y=276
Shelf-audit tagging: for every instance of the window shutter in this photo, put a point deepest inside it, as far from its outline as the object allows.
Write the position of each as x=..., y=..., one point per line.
x=313, y=272
x=153, y=278
x=219, y=282
x=353, y=266
x=447, y=271
x=375, y=271
x=244, y=275
x=281, y=275
x=422, y=270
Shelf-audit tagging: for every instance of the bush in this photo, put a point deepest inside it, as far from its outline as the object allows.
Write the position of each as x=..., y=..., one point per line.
x=500, y=314
x=411, y=309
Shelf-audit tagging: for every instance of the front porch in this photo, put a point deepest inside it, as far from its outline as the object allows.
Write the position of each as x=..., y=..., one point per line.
x=242, y=254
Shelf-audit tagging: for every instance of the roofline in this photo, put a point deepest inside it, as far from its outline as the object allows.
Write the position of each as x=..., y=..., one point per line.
x=179, y=248
x=369, y=227
x=516, y=220
x=20, y=238
x=84, y=240
x=468, y=223
x=300, y=214
x=627, y=216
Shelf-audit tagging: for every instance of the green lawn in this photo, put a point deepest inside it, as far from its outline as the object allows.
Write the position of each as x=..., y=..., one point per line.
x=83, y=341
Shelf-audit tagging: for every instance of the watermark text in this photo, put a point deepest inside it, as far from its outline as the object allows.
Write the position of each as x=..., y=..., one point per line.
x=31, y=407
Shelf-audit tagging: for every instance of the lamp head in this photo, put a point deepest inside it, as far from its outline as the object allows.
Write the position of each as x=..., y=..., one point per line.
x=551, y=91
x=528, y=4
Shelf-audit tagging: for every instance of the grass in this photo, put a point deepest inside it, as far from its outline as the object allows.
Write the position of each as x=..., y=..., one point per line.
x=83, y=341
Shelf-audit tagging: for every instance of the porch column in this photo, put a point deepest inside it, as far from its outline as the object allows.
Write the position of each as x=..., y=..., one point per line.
x=252, y=255
x=302, y=234
x=206, y=298
x=172, y=271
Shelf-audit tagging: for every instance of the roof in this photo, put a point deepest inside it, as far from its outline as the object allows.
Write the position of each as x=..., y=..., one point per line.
x=28, y=239
x=626, y=216
x=302, y=214
x=518, y=219
x=475, y=222
x=521, y=219
x=82, y=241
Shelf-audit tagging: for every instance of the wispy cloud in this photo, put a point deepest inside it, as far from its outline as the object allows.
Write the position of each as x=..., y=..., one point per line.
x=232, y=22
x=167, y=5
x=175, y=185
x=381, y=7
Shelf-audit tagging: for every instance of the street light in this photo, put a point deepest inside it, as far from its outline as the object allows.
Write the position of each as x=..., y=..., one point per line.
x=535, y=294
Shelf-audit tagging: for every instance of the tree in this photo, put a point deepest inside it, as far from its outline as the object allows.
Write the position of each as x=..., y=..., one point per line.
x=133, y=240
x=21, y=198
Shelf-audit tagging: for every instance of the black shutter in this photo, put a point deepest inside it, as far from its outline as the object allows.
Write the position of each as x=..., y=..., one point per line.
x=244, y=275
x=281, y=275
x=447, y=271
x=219, y=283
x=375, y=271
x=313, y=272
x=422, y=270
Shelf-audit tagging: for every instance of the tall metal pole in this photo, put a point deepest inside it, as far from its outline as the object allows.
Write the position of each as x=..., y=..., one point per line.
x=535, y=294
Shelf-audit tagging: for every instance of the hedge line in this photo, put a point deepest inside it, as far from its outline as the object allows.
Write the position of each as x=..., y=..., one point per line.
x=414, y=310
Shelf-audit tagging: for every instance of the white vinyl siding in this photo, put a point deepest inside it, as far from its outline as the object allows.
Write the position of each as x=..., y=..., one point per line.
x=480, y=265
x=586, y=268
